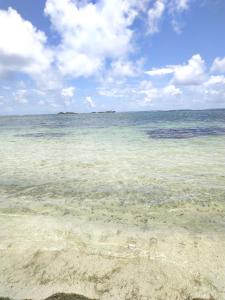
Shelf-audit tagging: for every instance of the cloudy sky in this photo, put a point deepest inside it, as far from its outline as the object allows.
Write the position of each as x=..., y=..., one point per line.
x=125, y=55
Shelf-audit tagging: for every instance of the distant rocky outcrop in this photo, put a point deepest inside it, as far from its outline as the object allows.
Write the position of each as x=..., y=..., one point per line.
x=67, y=113
x=93, y=112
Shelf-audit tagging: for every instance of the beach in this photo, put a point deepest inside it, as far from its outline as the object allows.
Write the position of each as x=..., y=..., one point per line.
x=113, y=206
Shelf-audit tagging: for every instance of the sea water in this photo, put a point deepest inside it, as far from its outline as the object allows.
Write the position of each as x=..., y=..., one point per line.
x=137, y=158
x=110, y=183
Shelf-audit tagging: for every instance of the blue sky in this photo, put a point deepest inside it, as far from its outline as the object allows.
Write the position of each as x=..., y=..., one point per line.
x=125, y=55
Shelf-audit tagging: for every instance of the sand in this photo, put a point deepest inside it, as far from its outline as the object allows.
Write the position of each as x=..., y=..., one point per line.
x=165, y=258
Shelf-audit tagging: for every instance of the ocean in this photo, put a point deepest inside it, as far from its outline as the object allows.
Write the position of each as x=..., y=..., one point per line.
x=108, y=187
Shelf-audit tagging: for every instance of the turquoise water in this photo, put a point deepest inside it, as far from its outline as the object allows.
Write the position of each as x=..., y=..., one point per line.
x=96, y=163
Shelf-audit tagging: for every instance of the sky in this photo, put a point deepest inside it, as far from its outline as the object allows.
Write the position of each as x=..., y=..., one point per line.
x=123, y=55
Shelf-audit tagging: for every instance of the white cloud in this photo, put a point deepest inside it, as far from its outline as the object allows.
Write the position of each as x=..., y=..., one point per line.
x=90, y=101
x=160, y=71
x=93, y=36
x=91, y=33
x=178, y=5
x=114, y=88
x=218, y=65
x=124, y=68
x=155, y=13
x=161, y=95
x=97, y=38
x=144, y=86
x=173, y=8
x=215, y=80
x=151, y=93
x=142, y=92
x=171, y=90
x=50, y=80
x=20, y=96
x=192, y=73
x=138, y=92
x=68, y=92
x=22, y=46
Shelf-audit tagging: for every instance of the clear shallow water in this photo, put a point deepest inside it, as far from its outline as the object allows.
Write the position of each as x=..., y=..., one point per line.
x=113, y=206
x=97, y=163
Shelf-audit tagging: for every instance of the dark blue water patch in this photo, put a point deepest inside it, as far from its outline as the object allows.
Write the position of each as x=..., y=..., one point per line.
x=41, y=135
x=185, y=133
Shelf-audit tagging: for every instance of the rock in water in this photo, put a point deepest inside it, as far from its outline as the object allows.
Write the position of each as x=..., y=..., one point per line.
x=62, y=296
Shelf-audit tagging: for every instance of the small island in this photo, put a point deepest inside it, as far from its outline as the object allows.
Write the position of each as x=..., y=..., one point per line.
x=67, y=113
x=93, y=112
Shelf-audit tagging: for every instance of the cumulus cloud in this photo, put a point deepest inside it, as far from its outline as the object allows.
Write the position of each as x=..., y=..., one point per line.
x=90, y=101
x=138, y=92
x=98, y=38
x=171, y=90
x=218, y=65
x=68, y=92
x=192, y=73
x=91, y=33
x=22, y=46
x=124, y=68
x=166, y=94
x=215, y=80
x=151, y=93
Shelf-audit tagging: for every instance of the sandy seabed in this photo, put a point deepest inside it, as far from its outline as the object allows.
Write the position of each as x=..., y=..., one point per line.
x=122, y=206
x=177, y=254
